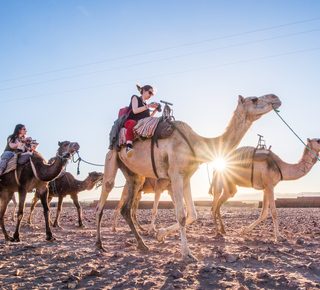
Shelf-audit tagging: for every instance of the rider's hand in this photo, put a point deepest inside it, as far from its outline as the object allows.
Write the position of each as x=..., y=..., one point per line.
x=153, y=105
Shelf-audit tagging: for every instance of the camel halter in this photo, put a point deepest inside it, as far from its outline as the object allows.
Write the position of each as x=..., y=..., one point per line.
x=277, y=112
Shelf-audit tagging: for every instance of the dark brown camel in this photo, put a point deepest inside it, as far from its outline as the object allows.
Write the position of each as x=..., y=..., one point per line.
x=35, y=173
x=151, y=185
x=65, y=185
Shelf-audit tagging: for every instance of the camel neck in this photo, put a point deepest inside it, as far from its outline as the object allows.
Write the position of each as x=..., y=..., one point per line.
x=300, y=169
x=228, y=141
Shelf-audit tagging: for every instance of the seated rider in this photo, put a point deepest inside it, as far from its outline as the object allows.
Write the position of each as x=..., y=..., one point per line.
x=138, y=109
x=16, y=142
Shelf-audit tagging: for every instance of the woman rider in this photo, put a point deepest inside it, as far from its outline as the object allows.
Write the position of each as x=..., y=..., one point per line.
x=138, y=109
x=15, y=143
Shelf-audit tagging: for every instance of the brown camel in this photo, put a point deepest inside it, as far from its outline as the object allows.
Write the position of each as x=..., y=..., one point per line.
x=176, y=159
x=35, y=173
x=151, y=185
x=266, y=174
x=65, y=184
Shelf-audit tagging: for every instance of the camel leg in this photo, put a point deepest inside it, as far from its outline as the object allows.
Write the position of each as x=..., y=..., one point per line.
x=135, y=206
x=263, y=215
x=157, y=195
x=59, y=209
x=15, y=204
x=4, y=205
x=181, y=190
x=135, y=183
x=79, y=210
x=110, y=170
x=22, y=201
x=227, y=193
x=216, y=189
x=46, y=213
x=273, y=210
x=32, y=207
x=119, y=205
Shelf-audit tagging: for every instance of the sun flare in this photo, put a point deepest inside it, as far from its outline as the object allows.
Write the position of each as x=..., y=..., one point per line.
x=219, y=164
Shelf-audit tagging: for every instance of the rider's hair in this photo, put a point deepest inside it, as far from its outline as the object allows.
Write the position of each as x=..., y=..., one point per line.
x=16, y=132
x=144, y=88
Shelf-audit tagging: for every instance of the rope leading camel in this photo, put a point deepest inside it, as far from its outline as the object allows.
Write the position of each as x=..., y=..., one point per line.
x=177, y=160
x=261, y=175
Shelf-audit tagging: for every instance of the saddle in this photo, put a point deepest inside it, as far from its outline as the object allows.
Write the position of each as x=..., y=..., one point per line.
x=19, y=158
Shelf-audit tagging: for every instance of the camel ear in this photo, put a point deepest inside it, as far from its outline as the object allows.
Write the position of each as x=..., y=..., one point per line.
x=240, y=99
x=308, y=140
x=59, y=143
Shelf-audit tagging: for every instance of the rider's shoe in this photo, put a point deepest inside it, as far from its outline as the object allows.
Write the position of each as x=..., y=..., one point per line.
x=129, y=151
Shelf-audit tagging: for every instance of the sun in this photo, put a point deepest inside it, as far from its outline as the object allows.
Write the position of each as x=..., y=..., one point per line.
x=219, y=164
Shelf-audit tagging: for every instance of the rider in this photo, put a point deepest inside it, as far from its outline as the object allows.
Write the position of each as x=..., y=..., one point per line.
x=138, y=109
x=15, y=143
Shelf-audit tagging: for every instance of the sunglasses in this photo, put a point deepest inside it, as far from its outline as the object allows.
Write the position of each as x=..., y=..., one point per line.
x=150, y=93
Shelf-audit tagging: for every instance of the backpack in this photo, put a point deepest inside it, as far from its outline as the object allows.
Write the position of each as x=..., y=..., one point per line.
x=123, y=111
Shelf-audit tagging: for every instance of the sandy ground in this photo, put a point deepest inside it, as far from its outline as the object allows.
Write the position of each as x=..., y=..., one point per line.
x=234, y=261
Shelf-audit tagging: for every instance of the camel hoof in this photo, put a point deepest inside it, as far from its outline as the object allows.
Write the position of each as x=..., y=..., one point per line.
x=51, y=239
x=189, y=259
x=143, y=247
x=219, y=235
x=99, y=247
x=281, y=239
x=114, y=230
x=10, y=239
x=82, y=226
x=161, y=234
x=15, y=240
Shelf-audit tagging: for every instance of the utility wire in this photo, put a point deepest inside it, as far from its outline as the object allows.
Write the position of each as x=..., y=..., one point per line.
x=162, y=59
x=166, y=48
x=162, y=75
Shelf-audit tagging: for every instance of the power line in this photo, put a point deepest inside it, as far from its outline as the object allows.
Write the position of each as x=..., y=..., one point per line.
x=166, y=48
x=162, y=59
x=162, y=75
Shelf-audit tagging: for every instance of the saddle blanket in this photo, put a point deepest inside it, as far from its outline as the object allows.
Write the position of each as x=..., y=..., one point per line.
x=12, y=164
x=144, y=128
x=245, y=155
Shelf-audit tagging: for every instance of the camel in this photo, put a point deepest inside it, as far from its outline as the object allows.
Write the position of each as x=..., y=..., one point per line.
x=65, y=184
x=176, y=158
x=263, y=174
x=35, y=173
x=151, y=185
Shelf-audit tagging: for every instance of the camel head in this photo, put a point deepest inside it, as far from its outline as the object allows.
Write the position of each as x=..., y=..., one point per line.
x=255, y=107
x=96, y=178
x=67, y=149
x=314, y=145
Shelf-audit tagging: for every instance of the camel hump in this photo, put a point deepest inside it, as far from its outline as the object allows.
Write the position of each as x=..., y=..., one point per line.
x=243, y=156
x=24, y=158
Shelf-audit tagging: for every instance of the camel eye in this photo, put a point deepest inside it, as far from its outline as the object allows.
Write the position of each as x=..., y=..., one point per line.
x=254, y=100
x=318, y=141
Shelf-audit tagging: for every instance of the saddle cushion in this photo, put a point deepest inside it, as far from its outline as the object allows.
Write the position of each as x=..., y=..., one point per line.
x=145, y=128
x=22, y=159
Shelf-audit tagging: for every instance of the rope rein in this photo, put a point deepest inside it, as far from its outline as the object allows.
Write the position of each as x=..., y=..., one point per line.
x=277, y=112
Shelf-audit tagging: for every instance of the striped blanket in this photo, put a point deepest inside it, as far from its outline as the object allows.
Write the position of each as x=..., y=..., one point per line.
x=144, y=128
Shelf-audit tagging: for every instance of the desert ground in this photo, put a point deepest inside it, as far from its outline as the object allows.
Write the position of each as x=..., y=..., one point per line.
x=233, y=261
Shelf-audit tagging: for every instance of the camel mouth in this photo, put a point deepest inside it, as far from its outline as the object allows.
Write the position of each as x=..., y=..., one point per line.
x=276, y=104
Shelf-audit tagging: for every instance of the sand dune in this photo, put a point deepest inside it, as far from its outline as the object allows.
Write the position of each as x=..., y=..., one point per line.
x=234, y=261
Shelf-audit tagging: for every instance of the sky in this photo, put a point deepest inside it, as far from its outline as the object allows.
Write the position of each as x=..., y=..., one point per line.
x=67, y=67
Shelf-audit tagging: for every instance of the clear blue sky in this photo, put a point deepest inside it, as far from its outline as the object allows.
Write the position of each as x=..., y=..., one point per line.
x=68, y=66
